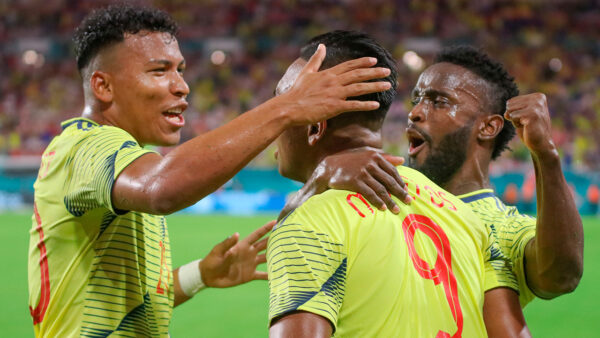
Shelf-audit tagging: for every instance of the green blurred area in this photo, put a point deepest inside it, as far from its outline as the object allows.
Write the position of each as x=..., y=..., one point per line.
x=242, y=311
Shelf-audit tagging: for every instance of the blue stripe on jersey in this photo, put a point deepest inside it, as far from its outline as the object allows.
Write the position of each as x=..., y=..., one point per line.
x=295, y=280
x=292, y=273
x=288, y=265
x=476, y=197
x=311, y=245
x=335, y=286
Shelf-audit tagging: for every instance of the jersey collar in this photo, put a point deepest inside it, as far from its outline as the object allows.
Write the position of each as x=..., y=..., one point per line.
x=476, y=195
x=65, y=124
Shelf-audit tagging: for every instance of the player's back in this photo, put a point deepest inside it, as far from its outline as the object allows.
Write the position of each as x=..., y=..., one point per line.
x=373, y=273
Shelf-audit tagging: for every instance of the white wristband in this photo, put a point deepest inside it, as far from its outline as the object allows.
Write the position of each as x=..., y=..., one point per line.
x=190, y=279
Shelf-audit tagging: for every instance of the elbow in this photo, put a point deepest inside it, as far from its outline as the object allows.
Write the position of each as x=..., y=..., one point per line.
x=160, y=199
x=563, y=283
x=163, y=206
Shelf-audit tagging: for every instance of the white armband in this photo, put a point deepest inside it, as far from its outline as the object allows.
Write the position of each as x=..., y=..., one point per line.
x=190, y=279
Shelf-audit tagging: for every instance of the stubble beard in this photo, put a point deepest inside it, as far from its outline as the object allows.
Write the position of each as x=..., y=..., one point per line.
x=444, y=161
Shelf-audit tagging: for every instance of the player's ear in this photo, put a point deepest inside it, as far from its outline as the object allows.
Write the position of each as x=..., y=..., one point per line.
x=101, y=86
x=490, y=126
x=316, y=132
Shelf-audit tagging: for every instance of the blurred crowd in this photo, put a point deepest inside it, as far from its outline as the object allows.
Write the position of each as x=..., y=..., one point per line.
x=237, y=50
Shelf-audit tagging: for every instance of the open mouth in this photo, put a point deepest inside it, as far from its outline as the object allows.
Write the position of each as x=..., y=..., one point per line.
x=175, y=116
x=416, y=142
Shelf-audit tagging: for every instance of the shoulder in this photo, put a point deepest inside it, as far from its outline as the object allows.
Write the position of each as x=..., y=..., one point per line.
x=329, y=213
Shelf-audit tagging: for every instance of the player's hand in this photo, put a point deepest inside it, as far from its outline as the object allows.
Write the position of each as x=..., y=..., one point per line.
x=231, y=263
x=530, y=116
x=367, y=171
x=319, y=95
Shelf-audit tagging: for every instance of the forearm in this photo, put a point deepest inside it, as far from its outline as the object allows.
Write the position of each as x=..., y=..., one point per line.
x=554, y=259
x=179, y=296
x=201, y=165
x=502, y=314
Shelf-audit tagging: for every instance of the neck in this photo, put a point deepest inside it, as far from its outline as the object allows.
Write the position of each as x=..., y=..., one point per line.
x=341, y=140
x=97, y=112
x=473, y=175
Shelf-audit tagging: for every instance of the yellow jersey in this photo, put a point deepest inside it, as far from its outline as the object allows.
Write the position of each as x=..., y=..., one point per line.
x=421, y=273
x=511, y=230
x=95, y=271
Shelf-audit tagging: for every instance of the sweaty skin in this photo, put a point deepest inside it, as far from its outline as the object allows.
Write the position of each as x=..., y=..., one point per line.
x=137, y=85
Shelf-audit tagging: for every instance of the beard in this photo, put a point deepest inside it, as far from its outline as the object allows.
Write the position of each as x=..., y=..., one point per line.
x=446, y=158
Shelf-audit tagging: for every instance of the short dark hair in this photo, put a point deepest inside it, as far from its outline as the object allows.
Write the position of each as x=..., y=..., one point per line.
x=503, y=85
x=108, y=25
x=343, y=46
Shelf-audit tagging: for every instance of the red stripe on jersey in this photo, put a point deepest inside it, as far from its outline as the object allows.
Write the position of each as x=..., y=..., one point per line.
x=40, y=309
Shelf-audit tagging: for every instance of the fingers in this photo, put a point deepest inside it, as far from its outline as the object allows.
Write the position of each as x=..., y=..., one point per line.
x=387, y=174
x=365, y=62
x=394, y=160
x=258, y=233
x=358, y=89
x=260, y=275
x=348, y=106
x=363, y=74
x=262, y=258
x=373, y=191
x=315, y=61
x=227, y=244
x=262, y=244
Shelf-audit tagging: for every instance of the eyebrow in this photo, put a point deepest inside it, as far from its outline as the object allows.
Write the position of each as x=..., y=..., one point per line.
x=166, y=62
x=430, y=93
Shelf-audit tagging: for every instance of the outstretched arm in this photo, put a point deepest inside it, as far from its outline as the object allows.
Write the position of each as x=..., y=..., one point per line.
x=554, y=258
x=229, y=263
x=162, y=185
x=367, y=171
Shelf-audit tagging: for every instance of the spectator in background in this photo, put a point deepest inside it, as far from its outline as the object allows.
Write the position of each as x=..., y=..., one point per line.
x=551, y=45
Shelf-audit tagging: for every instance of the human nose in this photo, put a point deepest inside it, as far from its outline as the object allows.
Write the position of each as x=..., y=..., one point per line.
x=417, y=114
x=179, y=87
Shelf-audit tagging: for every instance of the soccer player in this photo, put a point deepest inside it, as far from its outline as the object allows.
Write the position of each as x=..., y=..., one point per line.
x=338, y=265
x=99, y=255
x=466, y=110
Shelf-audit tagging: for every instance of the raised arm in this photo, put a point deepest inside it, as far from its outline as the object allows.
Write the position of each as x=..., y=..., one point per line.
x=554, y=258
x=162, y=185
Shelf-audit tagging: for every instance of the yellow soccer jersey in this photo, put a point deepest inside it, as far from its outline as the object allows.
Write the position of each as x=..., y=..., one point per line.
x=421, y=273
x=95, y=271
x=512, y=231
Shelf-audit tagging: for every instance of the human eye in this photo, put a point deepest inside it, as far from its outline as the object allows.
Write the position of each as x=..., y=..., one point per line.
x=158, y=70
x=440, y=101
x=415, y=100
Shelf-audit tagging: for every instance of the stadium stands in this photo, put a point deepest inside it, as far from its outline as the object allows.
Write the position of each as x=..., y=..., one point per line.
x=237, y=50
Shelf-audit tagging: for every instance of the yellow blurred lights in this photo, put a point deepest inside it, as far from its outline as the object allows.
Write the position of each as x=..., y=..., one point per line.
x=33, y=58
x=218, y=57
x=413, y=61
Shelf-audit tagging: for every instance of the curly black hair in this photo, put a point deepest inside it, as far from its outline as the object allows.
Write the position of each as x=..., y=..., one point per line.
x=106, y=26
x=503, y=85
x=343, y=46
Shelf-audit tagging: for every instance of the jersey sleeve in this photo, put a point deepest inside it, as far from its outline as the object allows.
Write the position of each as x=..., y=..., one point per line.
x=307, y=265
x=95, y=163
x=516, y=232
x=498, y=267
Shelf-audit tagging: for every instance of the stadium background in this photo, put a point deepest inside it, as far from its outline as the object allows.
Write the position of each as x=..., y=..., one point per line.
x=236, y=52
